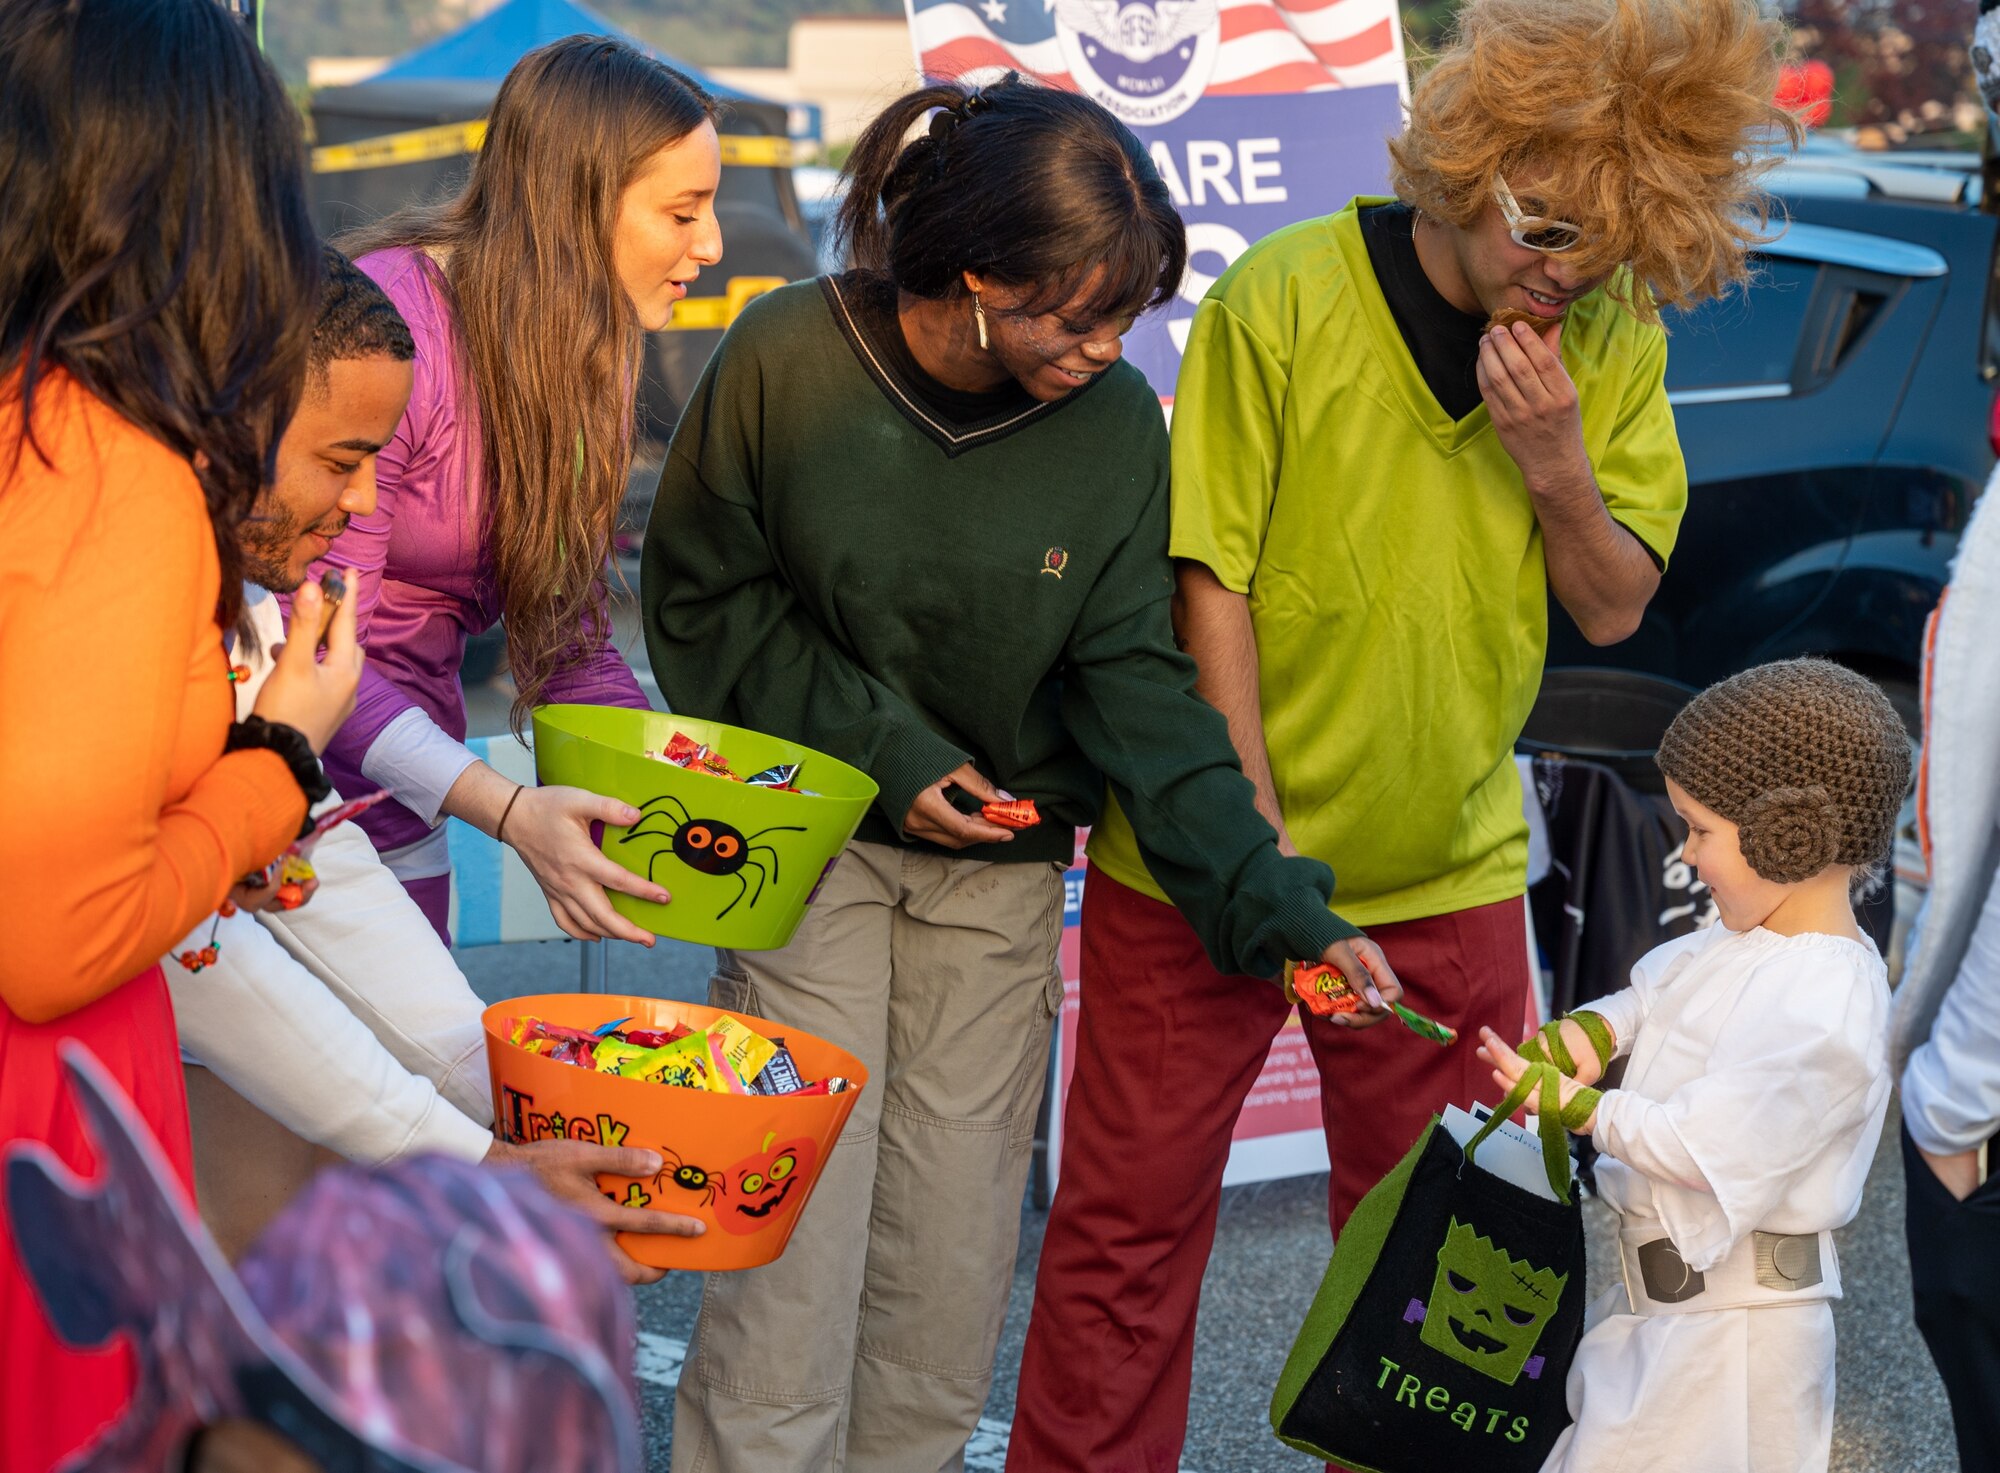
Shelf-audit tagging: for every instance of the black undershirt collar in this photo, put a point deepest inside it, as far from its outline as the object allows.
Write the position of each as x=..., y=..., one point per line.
x=1442, y=341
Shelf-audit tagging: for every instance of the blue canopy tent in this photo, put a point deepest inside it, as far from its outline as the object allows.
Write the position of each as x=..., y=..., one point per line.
x=484, y=50
x=387, y=142
x=487, y=49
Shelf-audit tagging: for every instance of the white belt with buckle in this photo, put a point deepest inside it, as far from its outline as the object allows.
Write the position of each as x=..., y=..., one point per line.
x=1763, y=1269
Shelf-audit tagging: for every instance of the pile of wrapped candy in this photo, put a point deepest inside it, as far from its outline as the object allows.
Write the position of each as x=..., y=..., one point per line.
x=726, y=1057
x=684, y=751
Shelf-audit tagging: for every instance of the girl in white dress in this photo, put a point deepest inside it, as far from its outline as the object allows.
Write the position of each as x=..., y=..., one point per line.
x=1757, y=1081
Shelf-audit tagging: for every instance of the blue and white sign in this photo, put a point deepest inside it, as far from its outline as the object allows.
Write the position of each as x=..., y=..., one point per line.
x=1258, y=113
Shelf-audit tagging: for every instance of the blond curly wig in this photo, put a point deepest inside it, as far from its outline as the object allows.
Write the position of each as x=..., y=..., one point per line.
x=1648, y=123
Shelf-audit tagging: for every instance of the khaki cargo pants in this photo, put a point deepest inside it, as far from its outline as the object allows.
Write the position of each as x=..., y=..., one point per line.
x=869, y=1345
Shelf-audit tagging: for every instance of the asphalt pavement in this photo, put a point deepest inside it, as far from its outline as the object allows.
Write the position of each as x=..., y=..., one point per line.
x=1270, y=1249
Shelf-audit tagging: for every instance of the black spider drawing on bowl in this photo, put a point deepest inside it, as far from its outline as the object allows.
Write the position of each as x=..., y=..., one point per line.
x=708, y=846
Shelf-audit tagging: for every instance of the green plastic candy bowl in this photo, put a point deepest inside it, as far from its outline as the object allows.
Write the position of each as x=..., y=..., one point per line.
x=741, y=862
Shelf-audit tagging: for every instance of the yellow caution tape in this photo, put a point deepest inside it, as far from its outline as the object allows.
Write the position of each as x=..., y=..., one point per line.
x=415, y=146
x=713, y=314
x=758, y=151
x=739, y=150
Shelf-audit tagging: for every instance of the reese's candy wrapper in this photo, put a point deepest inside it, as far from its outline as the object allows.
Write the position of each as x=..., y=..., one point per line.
x=1323, y=989
x=781, y=1076
x=685, y=751
x=745, y=1050
x=1015, y=813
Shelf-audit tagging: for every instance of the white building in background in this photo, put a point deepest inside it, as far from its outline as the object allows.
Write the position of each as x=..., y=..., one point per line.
x=342, y=71
x=848, y=66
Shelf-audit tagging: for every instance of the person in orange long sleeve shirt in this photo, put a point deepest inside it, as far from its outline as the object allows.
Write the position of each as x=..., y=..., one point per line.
x=158, y=277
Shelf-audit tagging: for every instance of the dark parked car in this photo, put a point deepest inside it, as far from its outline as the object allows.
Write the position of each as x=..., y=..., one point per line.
x=1838, y=422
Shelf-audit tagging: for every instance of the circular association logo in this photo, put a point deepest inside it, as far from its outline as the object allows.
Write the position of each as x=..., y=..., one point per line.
x=1147, y=61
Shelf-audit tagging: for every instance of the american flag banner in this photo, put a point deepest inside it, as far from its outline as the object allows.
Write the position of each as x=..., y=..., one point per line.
x=1258, y=113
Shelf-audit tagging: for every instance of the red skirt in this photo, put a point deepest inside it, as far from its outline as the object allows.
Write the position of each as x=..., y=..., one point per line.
x=54, y=1399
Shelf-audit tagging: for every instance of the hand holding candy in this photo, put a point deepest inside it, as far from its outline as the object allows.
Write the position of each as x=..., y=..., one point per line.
x=267, y=891
x=1321, y=989
x=569, y=1170
x=1366, y=972
x=933, y=818
x=310, y=695
x=1018, y=813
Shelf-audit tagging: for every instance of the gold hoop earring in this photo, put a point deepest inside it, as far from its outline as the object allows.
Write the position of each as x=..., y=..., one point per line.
x=979, y=318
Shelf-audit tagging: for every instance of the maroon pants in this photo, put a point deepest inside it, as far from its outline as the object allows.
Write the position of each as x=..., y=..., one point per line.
x=1167, y=1050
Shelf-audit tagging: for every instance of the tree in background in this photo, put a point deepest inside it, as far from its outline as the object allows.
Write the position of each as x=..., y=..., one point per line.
x=1901, y=66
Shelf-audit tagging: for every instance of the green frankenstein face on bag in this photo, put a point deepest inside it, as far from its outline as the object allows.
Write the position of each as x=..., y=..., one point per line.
x=1487, y=1309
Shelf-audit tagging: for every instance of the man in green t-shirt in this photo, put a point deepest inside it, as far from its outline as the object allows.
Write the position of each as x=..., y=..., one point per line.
x=1396, y=431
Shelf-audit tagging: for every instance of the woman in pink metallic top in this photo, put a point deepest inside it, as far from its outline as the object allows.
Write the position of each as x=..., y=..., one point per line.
x=588, y=212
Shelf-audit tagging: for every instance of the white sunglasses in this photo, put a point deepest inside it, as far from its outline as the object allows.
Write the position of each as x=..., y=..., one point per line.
x=1536, y=232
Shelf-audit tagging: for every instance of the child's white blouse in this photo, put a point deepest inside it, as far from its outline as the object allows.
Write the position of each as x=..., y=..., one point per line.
x=1760, y=1104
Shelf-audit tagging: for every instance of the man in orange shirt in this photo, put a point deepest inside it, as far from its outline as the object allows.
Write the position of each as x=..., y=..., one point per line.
x=289, y=1073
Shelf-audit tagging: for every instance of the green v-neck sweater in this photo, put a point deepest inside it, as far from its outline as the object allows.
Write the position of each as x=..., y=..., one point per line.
x=832, y=562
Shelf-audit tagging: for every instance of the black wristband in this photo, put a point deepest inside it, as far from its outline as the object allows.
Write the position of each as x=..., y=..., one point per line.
x=254, y=733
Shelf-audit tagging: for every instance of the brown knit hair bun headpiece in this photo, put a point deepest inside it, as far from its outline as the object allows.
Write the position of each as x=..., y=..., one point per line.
x=1807, y=758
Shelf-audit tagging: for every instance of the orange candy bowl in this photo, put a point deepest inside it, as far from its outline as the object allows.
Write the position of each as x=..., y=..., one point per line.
x=744, y=1164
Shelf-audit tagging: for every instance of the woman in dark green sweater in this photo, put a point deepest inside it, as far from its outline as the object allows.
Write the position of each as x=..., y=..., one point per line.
x=915, y=516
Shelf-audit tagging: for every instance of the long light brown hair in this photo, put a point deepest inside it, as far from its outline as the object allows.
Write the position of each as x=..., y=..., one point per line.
x=1646, y=122
x=544, y=327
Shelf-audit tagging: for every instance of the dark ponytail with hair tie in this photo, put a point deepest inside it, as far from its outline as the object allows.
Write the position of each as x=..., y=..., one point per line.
x=1031, y=186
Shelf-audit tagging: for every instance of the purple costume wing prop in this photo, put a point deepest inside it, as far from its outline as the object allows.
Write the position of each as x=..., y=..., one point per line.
x=462, y=1276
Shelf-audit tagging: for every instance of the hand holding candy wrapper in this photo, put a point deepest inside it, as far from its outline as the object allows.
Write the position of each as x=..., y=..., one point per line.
x=1327, y=993
x=726, y=1057
x=291, y=872
x=293, y=869
x=1016, y=813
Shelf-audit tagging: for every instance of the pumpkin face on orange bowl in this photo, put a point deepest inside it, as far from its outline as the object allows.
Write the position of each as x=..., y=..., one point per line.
x=766, y=1182
x=745, y=1165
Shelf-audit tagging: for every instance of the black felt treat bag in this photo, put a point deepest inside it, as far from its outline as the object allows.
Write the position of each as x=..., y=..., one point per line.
x=1444, y=1329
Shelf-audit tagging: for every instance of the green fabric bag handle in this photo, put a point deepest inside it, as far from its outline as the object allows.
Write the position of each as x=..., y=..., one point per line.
x=1552, y=1120
x=1548, y=1046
